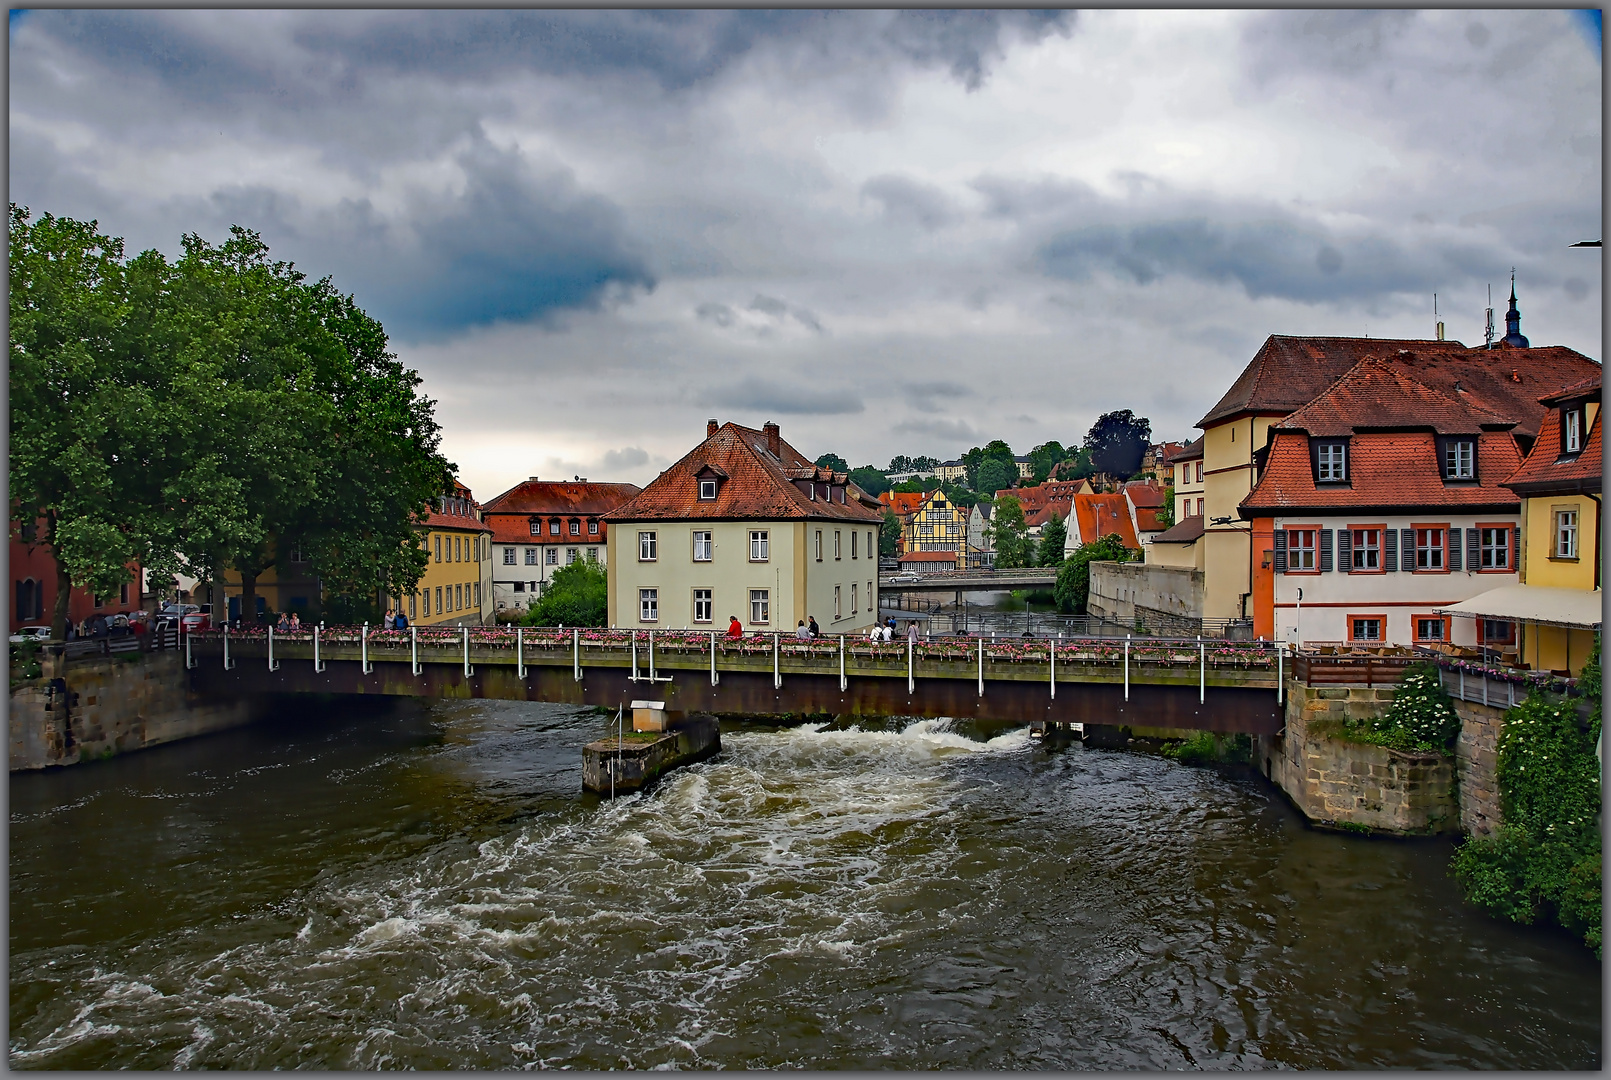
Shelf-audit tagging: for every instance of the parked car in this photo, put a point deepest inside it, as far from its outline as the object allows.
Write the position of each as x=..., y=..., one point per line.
x=904, y=579
x=24, y=634
x=198, y=620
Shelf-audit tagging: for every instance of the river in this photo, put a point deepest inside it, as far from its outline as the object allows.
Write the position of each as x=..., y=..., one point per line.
x=426, y=886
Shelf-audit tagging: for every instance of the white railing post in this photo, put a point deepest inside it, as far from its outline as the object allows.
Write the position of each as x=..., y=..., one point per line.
x=981, y=665
x=190, y=661
x=714, y=678
x=414, y=648
x=651, y=657
x=1127, y=667
x=777, y=652
x=229, y=665
x=318, y=664
x=520, y=653
x=634, y=676
x=272, y=666
x=468, y=670
x=842, y=683
x=1280, y=680
x=363, y=650
x=911, y=681
x=1202, y=670
x=576, y=652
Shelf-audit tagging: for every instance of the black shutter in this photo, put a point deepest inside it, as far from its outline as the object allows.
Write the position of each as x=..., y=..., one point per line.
x=1474, y=549
x=1345, y=564
x=1515, y=549
x=1280, y=551
x=1407, y=546
x=1325, y=550
x=1454, y=549
x=1390, y=550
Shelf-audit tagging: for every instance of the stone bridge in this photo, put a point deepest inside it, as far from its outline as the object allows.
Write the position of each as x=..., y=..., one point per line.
x=1198, y=684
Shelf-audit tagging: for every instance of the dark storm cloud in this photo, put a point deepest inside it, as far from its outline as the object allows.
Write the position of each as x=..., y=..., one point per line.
x=922, y=396
x=788, y=399
x=905, y=199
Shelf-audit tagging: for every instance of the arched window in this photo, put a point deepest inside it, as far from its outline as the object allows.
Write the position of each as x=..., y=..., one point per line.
x=29, y=605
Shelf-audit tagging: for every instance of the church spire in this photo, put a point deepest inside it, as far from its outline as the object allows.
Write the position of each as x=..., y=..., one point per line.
x=1513, y=334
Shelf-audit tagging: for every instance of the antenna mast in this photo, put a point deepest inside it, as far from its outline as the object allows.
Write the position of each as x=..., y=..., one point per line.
x=1488, y=336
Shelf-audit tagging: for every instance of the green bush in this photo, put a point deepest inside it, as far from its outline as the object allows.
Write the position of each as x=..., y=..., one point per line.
x=1588, y=680
x=577, y=595
x=24, y=662
x=1421, y=717
x=1545, y=858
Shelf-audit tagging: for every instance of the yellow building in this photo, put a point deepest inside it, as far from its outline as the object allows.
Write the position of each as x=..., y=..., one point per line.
x=287, y=585
x=1186, y=469
x=938, y=524
x=457, y=587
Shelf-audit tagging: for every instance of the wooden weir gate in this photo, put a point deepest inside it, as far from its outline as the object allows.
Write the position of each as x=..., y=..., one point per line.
x=1207, y=685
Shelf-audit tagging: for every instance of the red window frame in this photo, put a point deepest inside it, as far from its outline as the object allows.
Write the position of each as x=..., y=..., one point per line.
x=1382, y=619
x=1289, y=530
x=1379, y=568
x=1415, y=549
x=1415, y=627
x=1509, y=548
x=1482, y=632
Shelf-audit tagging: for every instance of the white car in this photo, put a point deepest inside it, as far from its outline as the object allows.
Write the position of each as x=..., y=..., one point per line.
x=26, y=634
x=904, y=579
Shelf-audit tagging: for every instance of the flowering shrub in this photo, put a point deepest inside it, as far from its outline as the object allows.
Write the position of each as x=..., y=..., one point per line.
x=1421, y=716
x=1545, y=859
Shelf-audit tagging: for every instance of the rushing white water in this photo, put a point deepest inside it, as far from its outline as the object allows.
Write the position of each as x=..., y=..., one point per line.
x=814, y=896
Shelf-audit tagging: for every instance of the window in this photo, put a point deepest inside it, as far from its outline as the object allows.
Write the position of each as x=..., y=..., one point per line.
x=760, y=606
x=836, y=545
x=536, y=527
x=592, y=528
x=702, y=545
x=439, y=607
x=872, y=552
x=1199, y=472
x=1429, y=549
x=817, y=544
x=1365, y=627
x=553, y=528
x=477, y=601
x=531, y=557
x=648, y=605
x=438, y=547
x=592, y=554
x=458, y=549
x=854, y=606
x=1431, y=628
x=707, y=489
x=425, y=600
x=413, y=599
x=1459, y=459
x=1366, y=549
x=646, y=547
x=571, y=555
x=520, y=586
x=1566, y=534
x=1300, y=550
x=703, y=605
x=853, y=550
x=509, y=556
x=551, y=556
x=758, y=545
x=123, y=593
x=1571, y=431
x=1331, y=462
x=837, y=614
x=576, y=527
x=1495, y=549
x=1496, y=632
x=458, y=597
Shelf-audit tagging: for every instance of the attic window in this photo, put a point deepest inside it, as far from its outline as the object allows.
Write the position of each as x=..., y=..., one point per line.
x=1331, y=461
x=1572, y=430
x=1459, y=459
x=707, y=489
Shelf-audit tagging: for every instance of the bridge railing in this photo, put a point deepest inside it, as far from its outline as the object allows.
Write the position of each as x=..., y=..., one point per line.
x=591, y=641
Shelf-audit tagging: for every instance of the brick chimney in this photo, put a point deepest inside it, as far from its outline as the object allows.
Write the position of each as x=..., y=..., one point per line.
x=774, y=440
x=711, y=427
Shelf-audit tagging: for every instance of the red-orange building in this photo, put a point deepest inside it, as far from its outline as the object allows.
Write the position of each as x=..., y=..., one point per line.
x=540, y=525
x=33, y=581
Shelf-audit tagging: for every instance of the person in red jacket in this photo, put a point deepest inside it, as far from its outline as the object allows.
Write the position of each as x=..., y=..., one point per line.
x=734, y=630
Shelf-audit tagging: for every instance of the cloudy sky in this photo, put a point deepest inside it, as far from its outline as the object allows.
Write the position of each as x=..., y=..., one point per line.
x=890, y=232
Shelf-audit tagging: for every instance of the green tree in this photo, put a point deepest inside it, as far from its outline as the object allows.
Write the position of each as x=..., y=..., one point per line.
x=1008, y=533
x=870, y=480
x=973, y=462
x=1117, y=442
x=889, y=535
x=996, y=475
x=1044, y=457
x=577, y=595
x=1053, y=537
x=834, y=462
x=1166, y=512
x=902, y=463
x=1073, y=588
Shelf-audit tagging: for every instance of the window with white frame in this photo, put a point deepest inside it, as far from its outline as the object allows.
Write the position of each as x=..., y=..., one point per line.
x=1566, y=534
x=760, y=606
x=531, y=556
x=1429, y=549
x=571, y=555
x=1365, y=628
x=553, y=528
x=593, y=528
x=1459, y=459
x=1367, y=549
x=1430, y=628
x=707, y=489
x=704, y=606
x=759, y=545
x=1300, y=549
x=1331, y=462
x=702, y=545
x=648, y=605
x=536, y=527
x=592, y=554
x=816, y=541
x=576, y=527
x=509, y=556
x=646, y=547
x=836, y=545
x=551, y=556
x=1495, y=549
x=1572, y=431
x=854, y=606
x=837, y=613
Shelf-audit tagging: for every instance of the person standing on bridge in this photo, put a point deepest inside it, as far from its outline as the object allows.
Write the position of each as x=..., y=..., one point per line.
x=816, y=631
x=735, y=629
x=911, y=631
x=802, y=631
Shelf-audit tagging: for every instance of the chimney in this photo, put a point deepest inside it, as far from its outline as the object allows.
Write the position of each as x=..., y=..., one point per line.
x=531, y=479
x=711, y=427
x=774, y=440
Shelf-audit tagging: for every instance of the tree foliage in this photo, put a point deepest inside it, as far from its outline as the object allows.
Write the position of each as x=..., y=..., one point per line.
x=974, y=460
x=1421, y=717
x=1118, y=441
x=1053, y=538
x=834, y=462
x=1045, y=457
x=901, y=463
x=1073, y=588
x=577, y=595
x=1545, y=858
x=870, y=480
x=1008, y=533
x=889, y=535
x=996, y=475
x=1166, y=512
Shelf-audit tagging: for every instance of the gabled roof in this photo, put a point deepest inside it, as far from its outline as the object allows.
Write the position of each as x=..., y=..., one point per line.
x=1379, y=396
x=1386, y=470
x=1546, y=470
x=1143, y=494
x=561, y=497
x=760, y=486
x=1289, y=372
x=437, y=520
x=1190, y=451
x=1583, y=388
x=1098, y=515
x=1147, y=519
x=902, y=502
x=1188, y=531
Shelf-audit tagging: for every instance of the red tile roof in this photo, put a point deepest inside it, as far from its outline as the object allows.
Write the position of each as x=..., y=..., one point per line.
x=561, y=497
x=758, y=485
x=1583, y=388
x=1547, y=471
x=1377, y=395
x=1099, y=515
x=1147, y=519
x=1289, y=372
x=1142, y=493
x=435, y=518
x=903, y=502
x=1389, y=470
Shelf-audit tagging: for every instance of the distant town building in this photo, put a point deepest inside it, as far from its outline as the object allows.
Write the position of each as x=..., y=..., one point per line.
x=539, y=526
x=457, y=587
x=952, y=472
x=745, y=525
x=937, y=524
x=981, y=543
x=1187, y=466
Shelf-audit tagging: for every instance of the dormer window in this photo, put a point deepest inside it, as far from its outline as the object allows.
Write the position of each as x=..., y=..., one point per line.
x=707, y=489
x=1460, y=459
x=1572, y=430
x=1331, y=461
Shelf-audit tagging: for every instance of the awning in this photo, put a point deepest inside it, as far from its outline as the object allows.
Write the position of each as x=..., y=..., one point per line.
x=1532, y=603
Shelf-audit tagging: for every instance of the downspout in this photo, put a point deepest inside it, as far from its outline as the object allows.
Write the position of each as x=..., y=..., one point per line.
x=1597, y=509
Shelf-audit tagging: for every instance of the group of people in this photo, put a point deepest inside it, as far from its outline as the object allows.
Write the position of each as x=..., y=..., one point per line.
x=101, y=626
x=289, y=623
x=807, y=629
x=885, y=631
x=804, y=631
x=394, y=620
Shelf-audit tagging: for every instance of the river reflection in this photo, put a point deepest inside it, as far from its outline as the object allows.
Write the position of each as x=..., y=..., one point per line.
x=427, y=887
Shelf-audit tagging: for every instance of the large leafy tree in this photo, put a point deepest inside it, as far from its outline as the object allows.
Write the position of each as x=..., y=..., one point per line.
x=1073, y=588
x=1043, y=457
x=577, y=595
x=1009, y=534
x=996, y=475
x=870, y=480
x=834, y=462
x=1117, y=442
x=1053, y=537
x=973, y=461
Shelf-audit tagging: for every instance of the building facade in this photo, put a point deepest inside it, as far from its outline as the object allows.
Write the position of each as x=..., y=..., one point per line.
x=937, y=524
x=1187, y=468
x=34, y=584
x=456, y=589
x=539, y=526
x=745, y=526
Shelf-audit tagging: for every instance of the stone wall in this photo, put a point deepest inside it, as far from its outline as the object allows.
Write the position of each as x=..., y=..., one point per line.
x=1477, y=758
x=1338, y=782
x=1121, y=591
x=97, y=707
